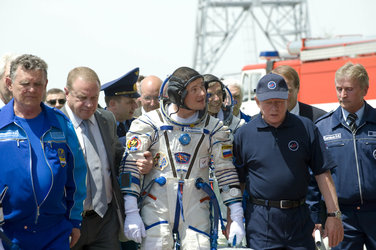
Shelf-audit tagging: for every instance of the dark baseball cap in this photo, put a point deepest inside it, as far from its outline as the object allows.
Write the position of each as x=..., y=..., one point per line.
x=272, y=86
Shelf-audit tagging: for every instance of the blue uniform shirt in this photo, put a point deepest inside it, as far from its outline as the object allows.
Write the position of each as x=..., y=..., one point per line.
x=41, y=172
x=274, y=161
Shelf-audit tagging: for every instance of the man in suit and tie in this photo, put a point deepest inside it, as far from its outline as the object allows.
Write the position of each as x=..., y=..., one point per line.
x=103, y=204
x=96, y=131
x=120, y=97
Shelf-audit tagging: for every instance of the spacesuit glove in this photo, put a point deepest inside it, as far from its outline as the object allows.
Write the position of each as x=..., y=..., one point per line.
x=134, y=228
x=237, y=232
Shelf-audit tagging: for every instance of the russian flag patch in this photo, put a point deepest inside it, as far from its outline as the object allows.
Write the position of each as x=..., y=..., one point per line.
x=226, y=151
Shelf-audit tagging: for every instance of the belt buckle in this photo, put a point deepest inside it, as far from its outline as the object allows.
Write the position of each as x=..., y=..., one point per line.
x=281, y=202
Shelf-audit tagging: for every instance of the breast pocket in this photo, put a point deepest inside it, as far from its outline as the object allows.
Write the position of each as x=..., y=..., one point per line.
x=335, y=144
x=369, y=146
x=57, y=154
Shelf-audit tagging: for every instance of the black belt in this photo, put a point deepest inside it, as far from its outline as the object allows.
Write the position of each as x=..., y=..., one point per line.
x=283, y=204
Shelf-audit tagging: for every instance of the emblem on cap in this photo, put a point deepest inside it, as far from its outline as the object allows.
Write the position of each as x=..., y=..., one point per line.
x=293, y=145
x=272, y=85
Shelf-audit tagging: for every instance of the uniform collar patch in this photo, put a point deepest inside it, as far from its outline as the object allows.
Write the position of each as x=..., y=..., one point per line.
x=293, y=145
x=332, y=137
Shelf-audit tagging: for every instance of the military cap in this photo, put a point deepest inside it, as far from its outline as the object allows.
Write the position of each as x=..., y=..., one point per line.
x=125, y=85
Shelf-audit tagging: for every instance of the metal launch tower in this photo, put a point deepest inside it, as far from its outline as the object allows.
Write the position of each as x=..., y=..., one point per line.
x=219, y=21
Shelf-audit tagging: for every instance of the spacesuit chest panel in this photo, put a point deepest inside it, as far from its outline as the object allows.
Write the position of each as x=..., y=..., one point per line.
x=182, y=153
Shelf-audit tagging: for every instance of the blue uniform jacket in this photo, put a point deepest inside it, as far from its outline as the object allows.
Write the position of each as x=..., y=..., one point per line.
x=355, y=155
x=65, y=159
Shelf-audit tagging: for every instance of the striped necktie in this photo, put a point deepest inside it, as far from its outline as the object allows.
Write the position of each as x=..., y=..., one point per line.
x=352, y=121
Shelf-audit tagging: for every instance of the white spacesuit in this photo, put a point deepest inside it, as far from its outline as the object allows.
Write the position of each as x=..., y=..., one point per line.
x=226, y=116
x=175, y=212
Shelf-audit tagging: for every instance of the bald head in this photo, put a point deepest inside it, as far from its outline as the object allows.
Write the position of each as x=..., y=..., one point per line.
x=149, y=91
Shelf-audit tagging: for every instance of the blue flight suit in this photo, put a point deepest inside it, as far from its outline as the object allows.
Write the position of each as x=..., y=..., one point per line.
x=35, y=219
x=273, y=162
x=355, y=176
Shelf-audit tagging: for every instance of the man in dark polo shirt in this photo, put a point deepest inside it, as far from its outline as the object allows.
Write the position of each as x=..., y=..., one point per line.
x=273, y=153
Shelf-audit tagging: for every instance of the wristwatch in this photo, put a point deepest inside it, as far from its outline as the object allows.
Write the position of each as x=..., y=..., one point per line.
x=336, y=214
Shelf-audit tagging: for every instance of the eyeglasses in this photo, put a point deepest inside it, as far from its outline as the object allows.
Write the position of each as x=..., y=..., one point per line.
x=53, y=102
x=151, y=98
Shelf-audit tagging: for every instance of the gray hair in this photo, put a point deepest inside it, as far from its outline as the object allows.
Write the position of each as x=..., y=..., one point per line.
x=353, y=72
x=27, y=62
x=5, y=60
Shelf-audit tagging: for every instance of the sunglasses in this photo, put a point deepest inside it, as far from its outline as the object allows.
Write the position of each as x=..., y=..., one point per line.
x=53, y=102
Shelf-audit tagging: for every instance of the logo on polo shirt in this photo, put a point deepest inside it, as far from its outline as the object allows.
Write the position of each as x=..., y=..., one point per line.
x=293, y=145
x=374, y=154
x=272, y=85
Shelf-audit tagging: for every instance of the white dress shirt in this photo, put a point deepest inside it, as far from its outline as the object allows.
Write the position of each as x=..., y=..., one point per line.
x=94, y=128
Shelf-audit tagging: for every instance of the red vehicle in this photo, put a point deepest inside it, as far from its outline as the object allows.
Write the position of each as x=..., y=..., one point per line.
x=316, y=62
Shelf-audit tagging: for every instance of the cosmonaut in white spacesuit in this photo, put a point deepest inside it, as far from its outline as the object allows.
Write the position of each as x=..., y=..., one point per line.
x=182, y=138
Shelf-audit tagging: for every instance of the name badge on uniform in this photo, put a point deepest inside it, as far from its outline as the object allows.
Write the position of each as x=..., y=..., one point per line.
x=332, y=137
x=57, y=135
x=62, y=159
